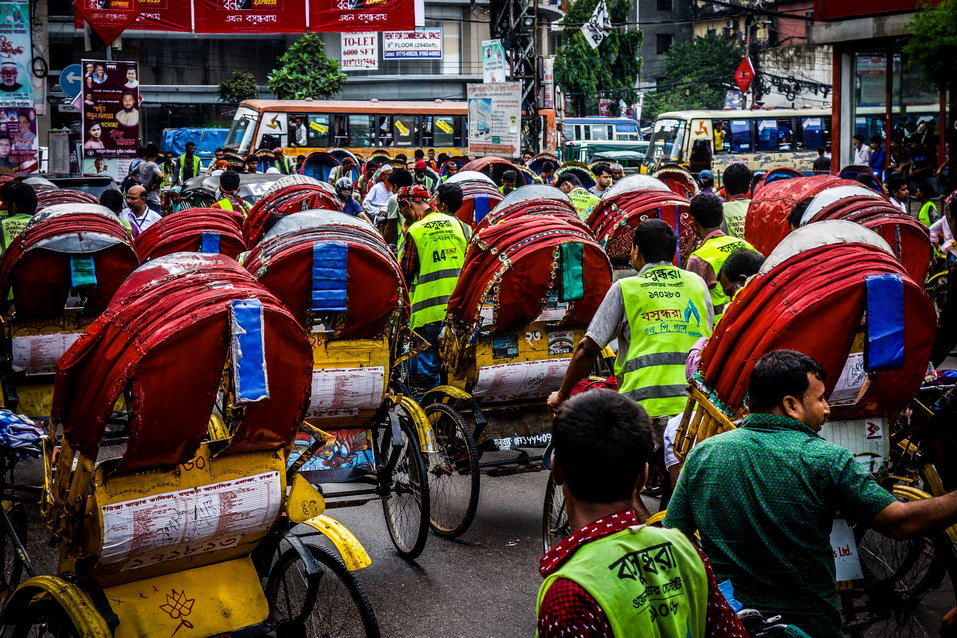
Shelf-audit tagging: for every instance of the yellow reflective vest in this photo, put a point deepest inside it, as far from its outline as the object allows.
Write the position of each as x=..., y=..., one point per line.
x=440, y=242
x=715, y=251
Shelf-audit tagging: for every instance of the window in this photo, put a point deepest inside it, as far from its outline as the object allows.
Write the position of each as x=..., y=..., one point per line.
x=318, y=131
x=598, y=132
x=664, y=5
x=360, y=130
x=740, y=136
x=404, y=130
x=813, y=132
x=663, y=42
x=383, y=127
x=767, y=135
x=444, y=129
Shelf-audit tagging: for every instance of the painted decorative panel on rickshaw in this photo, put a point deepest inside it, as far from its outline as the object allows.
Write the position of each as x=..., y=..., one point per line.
x=346, y=455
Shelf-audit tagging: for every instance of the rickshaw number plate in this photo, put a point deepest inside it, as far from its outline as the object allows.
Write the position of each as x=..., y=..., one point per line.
x=519, y=380
x=173, y=525
x=345, y=391
x=38, y=354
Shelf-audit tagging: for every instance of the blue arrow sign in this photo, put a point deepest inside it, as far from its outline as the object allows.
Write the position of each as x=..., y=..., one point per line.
x=71, y=80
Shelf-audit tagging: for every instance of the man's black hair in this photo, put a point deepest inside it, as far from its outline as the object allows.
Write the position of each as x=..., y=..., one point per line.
x=20, y=195
x=419, y=154
x=602, y=441
x=743, y=262
x=780, y=374
x=876, y=139
x=797, y=213
x=707, y=210
x=737, y=179
x=220, y=150
x=229, y=181
x=450, y=196
x=442, y=158
x=510, y=176
x=895, y=183
x=569, y=178
x=924, y=187
x=655, y=240
x=112, y=199
x=859, y=138
x=821, y=150
x=548, y=166
x=400, y=177
x=152, y=150
x=601, y=167
x=401, y=157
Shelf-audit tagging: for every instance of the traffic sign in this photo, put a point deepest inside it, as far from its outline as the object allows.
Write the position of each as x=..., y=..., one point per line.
x=71, y=80
x=744, y=75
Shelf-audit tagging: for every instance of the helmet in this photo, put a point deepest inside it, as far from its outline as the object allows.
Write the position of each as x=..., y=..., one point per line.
x=343, y=184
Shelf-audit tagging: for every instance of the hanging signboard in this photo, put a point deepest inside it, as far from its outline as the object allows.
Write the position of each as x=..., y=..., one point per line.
x=108, y=18
x=16, y=86
x=249, y=16
x=110, y=107
x=359, y=51
x=495, y=119
x=361, y=15
x=163, y=15
x=412, y=45
x=494, y=66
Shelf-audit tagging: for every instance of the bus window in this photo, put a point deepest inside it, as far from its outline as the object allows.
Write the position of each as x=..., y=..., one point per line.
x=240, y=134
x=740, y=135
x=721, y=137
x=445, y=129
x=318, y=131
x=383, y=127
x=667, y=142
x=340, y=131
x=599, y=132
x=768, y=136
x=404, y=129
x=361, y=132
x=812, y=130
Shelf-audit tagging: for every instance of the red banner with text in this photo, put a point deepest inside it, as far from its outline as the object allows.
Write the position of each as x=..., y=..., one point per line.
x=362, y=15
x=151, y=15
x=250, y=16
x=108, y=18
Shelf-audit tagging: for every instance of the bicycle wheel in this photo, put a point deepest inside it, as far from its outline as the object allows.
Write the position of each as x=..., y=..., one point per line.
x=555, y=525
x=12, y=569
x=453, y=471
x=406, y=508
x=338, y=607
x=906, y=584
x=44, y=619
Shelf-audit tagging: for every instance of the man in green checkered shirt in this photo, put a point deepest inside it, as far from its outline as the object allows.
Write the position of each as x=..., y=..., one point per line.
x=764, y=497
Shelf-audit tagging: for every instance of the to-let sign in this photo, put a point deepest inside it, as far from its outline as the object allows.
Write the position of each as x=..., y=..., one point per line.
x=360, y=51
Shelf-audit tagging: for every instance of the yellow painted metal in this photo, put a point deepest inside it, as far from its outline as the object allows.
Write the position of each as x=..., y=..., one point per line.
x=700, y=421
x=656, y=518
x=217, y=428
x=74, y=602
x=353, y=554
x=423, y=427
x=304, y=501
x=351, y=353
x=204, y=469
x=203, y=601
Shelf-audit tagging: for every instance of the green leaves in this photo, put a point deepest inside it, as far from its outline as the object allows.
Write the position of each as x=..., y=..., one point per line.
x=306, y=71
x=933, y=45
x=611, y=69
x=697, y=75
x=240, y=86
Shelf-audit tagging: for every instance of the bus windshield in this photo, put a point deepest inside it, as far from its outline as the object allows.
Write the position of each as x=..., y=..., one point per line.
x=240, y=134
x=667, y=142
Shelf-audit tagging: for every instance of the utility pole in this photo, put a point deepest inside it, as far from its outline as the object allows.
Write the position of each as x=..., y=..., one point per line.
x=514, y=22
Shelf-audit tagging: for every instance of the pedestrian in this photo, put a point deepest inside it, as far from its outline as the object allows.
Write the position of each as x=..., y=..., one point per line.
x=822, y=164
x=229, y=198
x=285, y=164
x=582, y=199
x=397, y=180
x=548, y=172
x=20, y=200
x=527, y=156
x=433, y=163
x=942, y=235
x=875, y=159
x=861, y=152
x=737, y=183
x=350, y=206
x=188, y=165
x=617, y=172
x=422, y=177
x=601, y=446
x=450, y=168
x=714, y=246
x=377, y=198
x=656, y=316
x=252, y=164
x=764, y=496
x=431, y=258
x=367, y=178
x=342, y=170
x=928, y=209
x=603, y=180
x=112, y=199
x=508, y=182
x=706, y=179
x=151, y=177
x=137, y=212
x=898, y=192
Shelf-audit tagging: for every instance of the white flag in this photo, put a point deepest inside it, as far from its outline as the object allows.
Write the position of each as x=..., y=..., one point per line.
x=598, y=26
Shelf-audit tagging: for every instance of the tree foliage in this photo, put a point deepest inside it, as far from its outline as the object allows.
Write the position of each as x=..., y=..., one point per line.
x=933, y=46
x=305, y=70
x=586, y=74
x=241, y=85
x=697, y=75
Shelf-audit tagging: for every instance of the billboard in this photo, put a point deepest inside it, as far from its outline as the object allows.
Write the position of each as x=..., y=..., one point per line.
x=412, y=45
x=359, y=51
x=494, y=66
x=361, y=15
x=16, y=76
x=110, y=108
x=495, y=119
x=250, y=16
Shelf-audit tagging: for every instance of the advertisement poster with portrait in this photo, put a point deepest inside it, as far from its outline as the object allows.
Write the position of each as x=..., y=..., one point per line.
x=18, y=140
x=110, y=107
x=16, y=77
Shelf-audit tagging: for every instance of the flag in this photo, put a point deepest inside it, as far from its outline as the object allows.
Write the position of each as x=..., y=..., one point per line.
x=598, y=26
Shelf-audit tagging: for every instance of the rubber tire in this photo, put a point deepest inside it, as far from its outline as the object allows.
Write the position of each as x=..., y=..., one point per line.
x=554, y=523
x=334, y=605
x=12, y=565
x=40, y=613
x=458, y=523
x=411, y=456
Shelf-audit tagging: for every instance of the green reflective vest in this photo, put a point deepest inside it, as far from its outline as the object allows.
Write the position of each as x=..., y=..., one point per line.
x=13, y=226
x=225, y=204
x=189, y=167
x=440, y=242
x=667, y=313
x=715, y=251
x=928, y=213
x=649, y=581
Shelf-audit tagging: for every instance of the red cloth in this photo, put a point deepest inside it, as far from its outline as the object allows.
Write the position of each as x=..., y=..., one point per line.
x=569, y=610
